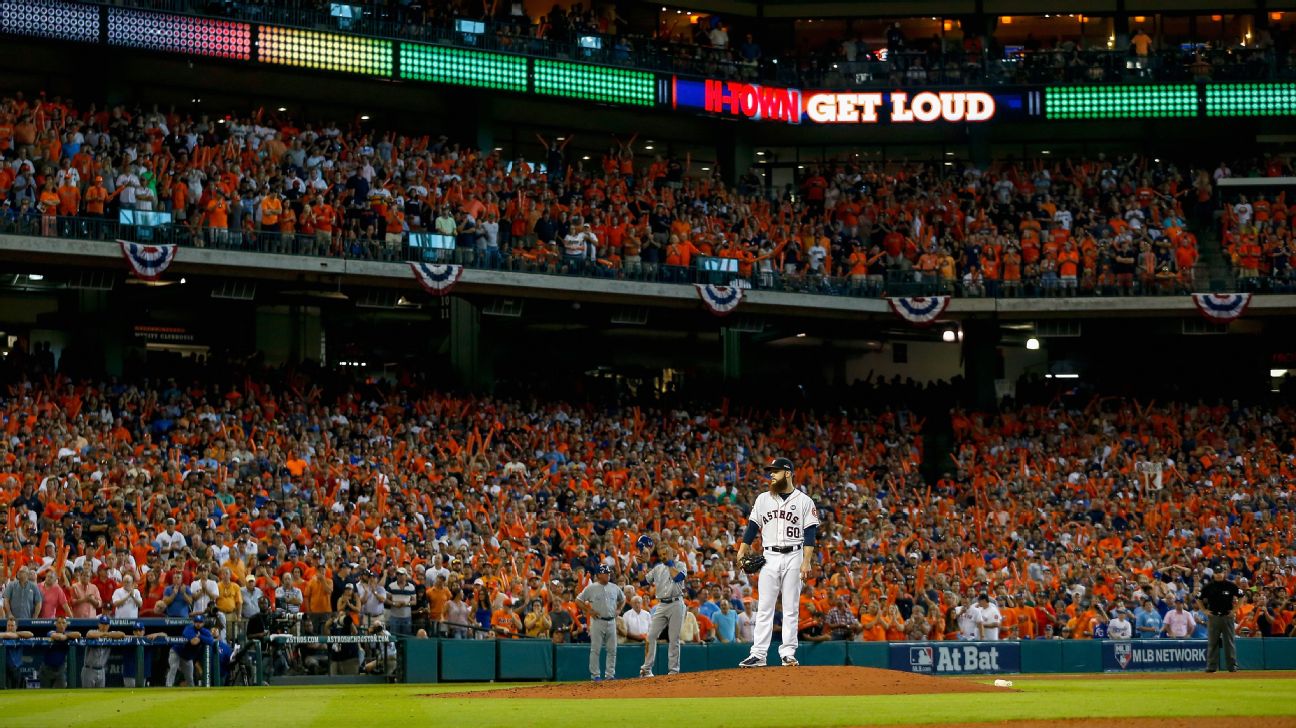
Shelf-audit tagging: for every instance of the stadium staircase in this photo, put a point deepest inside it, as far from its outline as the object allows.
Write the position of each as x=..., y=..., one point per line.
x=938, y=446
x=1214, y=272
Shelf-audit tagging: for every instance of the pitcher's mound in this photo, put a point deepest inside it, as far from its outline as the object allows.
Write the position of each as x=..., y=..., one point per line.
x=751, y=683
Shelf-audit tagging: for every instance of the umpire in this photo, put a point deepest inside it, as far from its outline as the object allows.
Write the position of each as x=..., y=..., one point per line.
x=602, y=602
x=1218, y=596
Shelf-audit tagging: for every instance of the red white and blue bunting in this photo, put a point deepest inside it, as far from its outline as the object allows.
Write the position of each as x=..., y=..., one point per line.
x=437, y=279
x=719, y=300
x=919, y=310
x=148, y=262
x=1221, y=308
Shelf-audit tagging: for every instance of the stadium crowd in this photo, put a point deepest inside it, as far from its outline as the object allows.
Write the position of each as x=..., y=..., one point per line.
x=266, y=181
x=1255, y=231
x=305, y=500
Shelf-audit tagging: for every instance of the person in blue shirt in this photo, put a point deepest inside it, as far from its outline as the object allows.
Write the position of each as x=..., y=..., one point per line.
x=726, y=622
x=1147, y=621
x=1199, y=617
x=130, y=667
x=53, y=670
x=226, y=651
x=176, y=597
x=14, y=656
x=709, y=608
x=181, y=660
x=1100, y=625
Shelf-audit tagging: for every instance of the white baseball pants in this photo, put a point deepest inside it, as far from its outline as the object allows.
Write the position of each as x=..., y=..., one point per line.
x=781, y=576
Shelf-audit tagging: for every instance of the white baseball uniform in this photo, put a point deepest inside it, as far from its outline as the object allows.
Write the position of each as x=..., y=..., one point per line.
x=782, y=520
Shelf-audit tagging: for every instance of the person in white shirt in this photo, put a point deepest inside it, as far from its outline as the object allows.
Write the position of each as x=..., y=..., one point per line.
x=965, y=616
x=636, y=620
x=1119, y=628
x=719, y=37
x=815, y=257
x=746, y=623
x=577, y=246
x=287, y=596
x=128, y=184
x=170, y=541
x=435, y=570
x=1243, y=210
x=144, y=198
x=372, y=596
x=988, y=619
x=204, y=590
x=127, y=599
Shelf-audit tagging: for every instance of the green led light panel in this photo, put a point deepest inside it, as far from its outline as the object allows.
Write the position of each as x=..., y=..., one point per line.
x=463, y=66
x=1251, y=99
x=1120, y=102
x=594, y=83
x=325, y=51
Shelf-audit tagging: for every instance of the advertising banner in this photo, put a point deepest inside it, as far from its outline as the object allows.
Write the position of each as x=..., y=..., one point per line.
x=955, y=658
x=759, y=102
x=1150, y=655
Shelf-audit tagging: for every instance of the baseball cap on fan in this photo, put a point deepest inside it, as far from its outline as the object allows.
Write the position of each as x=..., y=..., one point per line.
x=779, y=464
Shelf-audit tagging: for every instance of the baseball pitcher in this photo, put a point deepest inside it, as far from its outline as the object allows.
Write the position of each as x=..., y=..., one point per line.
x=787, y=521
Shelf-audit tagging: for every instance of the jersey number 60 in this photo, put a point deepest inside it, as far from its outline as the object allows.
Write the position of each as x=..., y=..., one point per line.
x=793, y=532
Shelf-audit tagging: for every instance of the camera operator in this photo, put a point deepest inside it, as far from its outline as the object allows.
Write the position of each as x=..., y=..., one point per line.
x=255, y=630
x=381, y=657
x=344, y=657
x=314, y=655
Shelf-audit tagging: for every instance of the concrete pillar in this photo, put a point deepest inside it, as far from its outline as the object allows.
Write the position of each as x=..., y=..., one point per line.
x=99, y=338
x=289, y=334
x=470, y=367
x=483, y=114
x=979, y=145
x=734, y=154
x=731, y=343
x=980, y=362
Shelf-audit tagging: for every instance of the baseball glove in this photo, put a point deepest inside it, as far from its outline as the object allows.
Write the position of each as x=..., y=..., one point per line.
x=752, y=563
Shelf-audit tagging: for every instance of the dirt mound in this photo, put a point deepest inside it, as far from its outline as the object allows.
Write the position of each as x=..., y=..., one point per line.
x=753, y=683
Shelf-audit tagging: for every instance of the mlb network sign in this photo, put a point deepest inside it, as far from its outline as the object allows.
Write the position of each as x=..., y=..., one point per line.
x=956, y=658
x=1142, y=655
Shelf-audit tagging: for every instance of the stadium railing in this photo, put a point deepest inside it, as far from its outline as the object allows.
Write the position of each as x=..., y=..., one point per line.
x=700, y=271
x=250, y=662
x=941, y=67
x=450, y=660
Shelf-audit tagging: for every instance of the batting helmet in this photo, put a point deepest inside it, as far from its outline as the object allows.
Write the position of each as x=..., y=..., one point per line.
x=645, y=542
x=779, y=464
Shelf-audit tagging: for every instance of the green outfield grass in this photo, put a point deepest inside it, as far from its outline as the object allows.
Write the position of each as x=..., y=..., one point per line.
x=402, y=705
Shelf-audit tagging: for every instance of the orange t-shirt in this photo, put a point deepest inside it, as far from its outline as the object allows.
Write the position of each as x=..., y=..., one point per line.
x=315, y=596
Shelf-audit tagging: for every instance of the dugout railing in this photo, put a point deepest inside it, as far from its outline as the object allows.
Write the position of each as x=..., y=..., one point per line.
x=241, y=661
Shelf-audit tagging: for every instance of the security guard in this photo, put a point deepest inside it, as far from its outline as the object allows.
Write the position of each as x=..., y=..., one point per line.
x=667, y=580
x=1219, y=594
x=602, y=602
